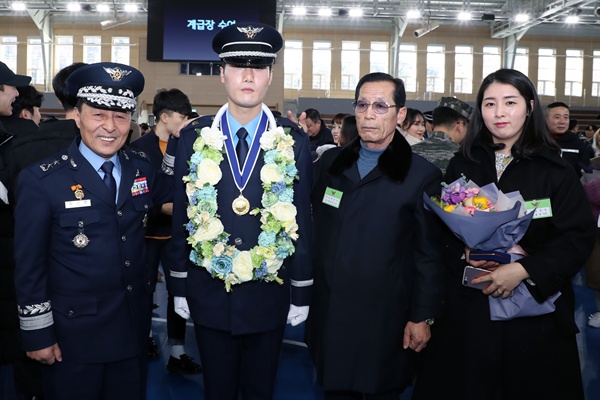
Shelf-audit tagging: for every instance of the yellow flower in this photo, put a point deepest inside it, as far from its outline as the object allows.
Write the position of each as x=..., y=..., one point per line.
x=480, y=202
x=449, y=208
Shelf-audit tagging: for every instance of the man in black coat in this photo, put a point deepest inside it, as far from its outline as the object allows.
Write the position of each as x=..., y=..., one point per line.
x=574, y=150
x=53, y=134
x=378, y=263
x=26, y=373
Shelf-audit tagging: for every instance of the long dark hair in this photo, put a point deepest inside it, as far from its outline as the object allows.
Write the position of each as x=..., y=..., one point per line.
x=535, y=135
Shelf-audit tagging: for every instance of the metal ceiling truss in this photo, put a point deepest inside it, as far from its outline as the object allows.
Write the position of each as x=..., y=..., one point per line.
x=500, y=13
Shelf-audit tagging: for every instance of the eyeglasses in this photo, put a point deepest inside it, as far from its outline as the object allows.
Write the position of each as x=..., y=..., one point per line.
x=379, y=107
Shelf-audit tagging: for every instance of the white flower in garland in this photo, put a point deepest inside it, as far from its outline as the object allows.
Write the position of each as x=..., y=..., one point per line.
x=207, y=237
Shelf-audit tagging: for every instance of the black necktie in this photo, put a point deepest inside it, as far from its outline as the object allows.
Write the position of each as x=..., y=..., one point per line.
x=109, y=179
x=242, y=147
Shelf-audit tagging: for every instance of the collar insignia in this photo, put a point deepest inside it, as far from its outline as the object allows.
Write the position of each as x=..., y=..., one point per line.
x=250, y=31
x=116, y=74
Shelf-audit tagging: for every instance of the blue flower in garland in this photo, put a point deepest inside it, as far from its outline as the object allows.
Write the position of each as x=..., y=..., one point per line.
x=266, y=239
x=291, y=170
x=196, y=158
x=207, y=193
x=281, y=253
x=194, y=257
x=287, y=195
x=261, y=271
x=221, y=265
x=278, y=187
x=190, y=228
x=269, y=156
x=194, y=199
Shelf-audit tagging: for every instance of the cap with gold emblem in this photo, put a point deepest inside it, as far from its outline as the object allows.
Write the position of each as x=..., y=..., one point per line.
x=106, y=85
x=248, y=45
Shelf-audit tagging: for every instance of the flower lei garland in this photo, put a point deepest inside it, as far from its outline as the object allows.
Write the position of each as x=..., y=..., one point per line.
x=277, y=215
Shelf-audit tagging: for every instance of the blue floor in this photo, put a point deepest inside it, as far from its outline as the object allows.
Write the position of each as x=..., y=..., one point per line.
x=296, y=377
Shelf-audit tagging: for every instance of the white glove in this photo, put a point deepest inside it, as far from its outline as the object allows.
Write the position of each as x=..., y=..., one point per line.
x=297, y=315
x=181, y=307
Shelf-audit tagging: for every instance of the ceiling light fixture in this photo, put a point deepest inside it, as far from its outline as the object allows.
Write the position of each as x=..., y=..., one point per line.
x=73, y=7
x=130, y=8
x=522, y=17
x=299, y=10
x=413, y=14
x=324, y=12
x=464, y=16
x=103, y=8
x=19, y=6
x=356, y=12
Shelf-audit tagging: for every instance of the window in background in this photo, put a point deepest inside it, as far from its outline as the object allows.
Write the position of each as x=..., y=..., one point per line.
x=492, y=60
x=63, y=52
x=350, y=64
x=522, y=60
x=8, y=51
x=120, y=50
x=407, y=66
x=574, y=73
x=436, y=72
x=596, y=74
x=35, y=61
x=321, y=65
x=379, y=57
x=292, y=64
x=92, y=49
x=546, y=72
x=463, y=69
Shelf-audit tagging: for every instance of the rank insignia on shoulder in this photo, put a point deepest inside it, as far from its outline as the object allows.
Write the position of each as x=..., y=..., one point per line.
x=47, y=166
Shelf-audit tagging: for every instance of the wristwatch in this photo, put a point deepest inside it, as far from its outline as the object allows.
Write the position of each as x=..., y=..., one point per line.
x=429, y=321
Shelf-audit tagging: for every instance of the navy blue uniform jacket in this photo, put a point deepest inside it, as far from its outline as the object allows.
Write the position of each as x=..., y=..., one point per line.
x=93, y=301
x=255, y=306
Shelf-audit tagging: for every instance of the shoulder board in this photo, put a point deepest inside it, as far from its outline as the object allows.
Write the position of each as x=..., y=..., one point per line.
x=200, y=122
x=281, y=121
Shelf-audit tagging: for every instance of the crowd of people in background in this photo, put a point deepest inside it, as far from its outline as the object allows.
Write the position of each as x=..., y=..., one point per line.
x=507, y=137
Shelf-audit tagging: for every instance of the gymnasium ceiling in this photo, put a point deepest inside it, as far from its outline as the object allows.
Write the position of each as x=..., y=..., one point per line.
x=546, y=16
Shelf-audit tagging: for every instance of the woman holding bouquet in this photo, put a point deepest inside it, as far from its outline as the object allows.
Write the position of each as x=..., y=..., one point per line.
x=470, y=356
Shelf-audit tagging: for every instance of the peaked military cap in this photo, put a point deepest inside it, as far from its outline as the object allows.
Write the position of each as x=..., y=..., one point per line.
x=106, y=85
x=248, y=45
x=7, y=77
x=428, y=116
x=457, y=105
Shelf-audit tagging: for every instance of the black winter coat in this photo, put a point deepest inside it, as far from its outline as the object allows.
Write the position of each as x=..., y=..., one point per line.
x=473, y=358
x=377, y=266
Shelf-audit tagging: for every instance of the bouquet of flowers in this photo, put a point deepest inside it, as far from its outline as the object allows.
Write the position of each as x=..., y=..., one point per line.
x=487, y=219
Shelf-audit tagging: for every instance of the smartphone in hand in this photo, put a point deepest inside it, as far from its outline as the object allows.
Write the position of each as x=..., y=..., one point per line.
x=471, y=273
